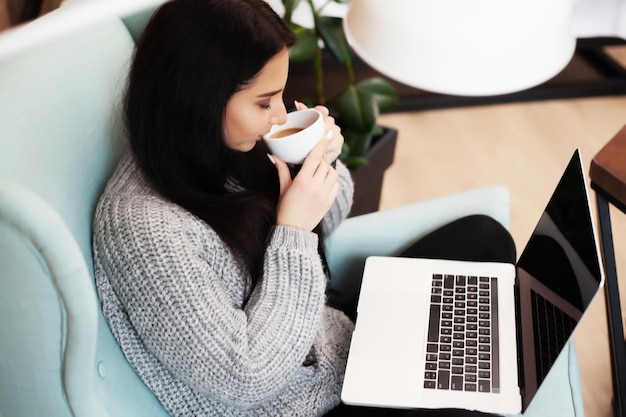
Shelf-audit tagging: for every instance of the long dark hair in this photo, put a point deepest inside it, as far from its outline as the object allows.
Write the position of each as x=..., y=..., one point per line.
x=191, y=58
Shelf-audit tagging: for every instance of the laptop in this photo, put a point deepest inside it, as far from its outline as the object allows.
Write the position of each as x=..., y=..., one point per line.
x=476, y=335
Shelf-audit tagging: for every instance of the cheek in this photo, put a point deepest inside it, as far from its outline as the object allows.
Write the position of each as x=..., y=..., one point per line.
x=242, y=127
x=248, y=122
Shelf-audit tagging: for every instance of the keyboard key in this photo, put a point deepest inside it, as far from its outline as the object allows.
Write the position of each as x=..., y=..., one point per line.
x=470, y=387
x=433, y=324
x=457, y=383
x=484, y=386
x=443, y=379
x=430, y=384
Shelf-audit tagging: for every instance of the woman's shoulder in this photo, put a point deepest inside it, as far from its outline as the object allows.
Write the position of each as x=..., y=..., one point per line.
x=127, y=180
x=129, y=200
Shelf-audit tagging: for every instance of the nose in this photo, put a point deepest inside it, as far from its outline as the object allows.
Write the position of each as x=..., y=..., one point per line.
x=279, y=116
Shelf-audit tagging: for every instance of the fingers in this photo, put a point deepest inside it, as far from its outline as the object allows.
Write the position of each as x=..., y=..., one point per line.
x=284, y=176
x=299, y=105
x=315, y=157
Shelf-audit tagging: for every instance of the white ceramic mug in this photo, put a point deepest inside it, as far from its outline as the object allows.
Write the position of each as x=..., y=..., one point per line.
x=293, y=140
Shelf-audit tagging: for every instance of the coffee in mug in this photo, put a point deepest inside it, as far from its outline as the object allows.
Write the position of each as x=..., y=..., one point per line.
x=286, y=132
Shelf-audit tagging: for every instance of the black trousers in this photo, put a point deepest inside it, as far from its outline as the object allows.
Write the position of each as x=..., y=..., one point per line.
x=476, y=238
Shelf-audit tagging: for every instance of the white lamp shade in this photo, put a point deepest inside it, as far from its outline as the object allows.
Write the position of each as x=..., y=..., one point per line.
x=463, y=47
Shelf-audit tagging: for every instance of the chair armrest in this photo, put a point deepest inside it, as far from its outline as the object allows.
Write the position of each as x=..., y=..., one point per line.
x=388, y=232
x=44, y=277
x=560, y=393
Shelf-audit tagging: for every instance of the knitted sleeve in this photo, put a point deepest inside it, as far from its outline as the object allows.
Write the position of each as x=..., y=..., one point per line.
x=343, y=203
x=171, y=273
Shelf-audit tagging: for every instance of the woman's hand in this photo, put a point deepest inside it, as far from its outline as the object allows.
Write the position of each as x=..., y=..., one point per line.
x=304, y=201
x=332, y=132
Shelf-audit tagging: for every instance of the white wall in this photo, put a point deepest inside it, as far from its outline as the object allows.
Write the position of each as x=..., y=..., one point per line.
x=599, y=18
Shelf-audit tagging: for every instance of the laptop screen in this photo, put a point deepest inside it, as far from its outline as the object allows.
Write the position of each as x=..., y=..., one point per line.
x=559, y=274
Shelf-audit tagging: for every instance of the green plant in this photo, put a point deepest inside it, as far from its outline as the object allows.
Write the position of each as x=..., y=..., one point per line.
x=358, y=106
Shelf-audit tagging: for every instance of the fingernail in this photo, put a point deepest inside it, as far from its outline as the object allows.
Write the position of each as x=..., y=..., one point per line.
x=329, y=135
x=295, y=102
x=271, y=158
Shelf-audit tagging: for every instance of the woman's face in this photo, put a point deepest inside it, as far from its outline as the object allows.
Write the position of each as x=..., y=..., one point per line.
x=251, y=111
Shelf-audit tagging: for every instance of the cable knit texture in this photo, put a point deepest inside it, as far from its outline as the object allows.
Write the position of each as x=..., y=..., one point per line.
x=173, y=295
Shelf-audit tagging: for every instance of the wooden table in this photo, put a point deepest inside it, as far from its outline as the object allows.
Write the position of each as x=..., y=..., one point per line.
x=608, y=179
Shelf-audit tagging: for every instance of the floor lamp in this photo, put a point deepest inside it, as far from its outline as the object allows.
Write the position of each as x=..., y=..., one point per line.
x=463, y=47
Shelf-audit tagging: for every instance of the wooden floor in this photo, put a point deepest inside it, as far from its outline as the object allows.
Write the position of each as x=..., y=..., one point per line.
x=524, y=146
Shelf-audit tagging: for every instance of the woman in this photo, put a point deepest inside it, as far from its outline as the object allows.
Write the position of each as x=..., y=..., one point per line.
x=208, y=255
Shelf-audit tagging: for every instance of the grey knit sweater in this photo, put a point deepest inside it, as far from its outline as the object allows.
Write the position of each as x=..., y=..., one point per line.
x=173, y=294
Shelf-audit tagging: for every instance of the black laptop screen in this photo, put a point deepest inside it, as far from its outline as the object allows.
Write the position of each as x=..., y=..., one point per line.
x=559, y=274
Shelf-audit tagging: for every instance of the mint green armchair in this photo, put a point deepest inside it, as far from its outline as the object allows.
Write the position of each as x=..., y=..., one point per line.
x=61, y=79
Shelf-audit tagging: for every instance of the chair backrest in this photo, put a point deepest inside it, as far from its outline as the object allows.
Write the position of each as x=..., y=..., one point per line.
x=61, y=80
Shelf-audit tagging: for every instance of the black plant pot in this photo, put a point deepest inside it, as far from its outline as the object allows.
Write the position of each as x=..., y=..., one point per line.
x=368, y=179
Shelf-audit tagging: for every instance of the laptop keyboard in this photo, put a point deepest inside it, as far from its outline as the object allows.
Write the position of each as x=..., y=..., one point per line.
x=462, y=350
x=552, y=328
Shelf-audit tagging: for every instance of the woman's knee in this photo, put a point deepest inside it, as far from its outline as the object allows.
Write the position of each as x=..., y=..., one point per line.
x=500, y=246
x=471, y=238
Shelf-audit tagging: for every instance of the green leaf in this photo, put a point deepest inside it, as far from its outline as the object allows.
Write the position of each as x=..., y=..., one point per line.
x=290, y=6
x=353, y=162
x=377, y=131
x=342, y=1
x=358, y=142
x=357, y=110
x=383, y=92
x=330, y=30
x=306, y=44
x=345, y=152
